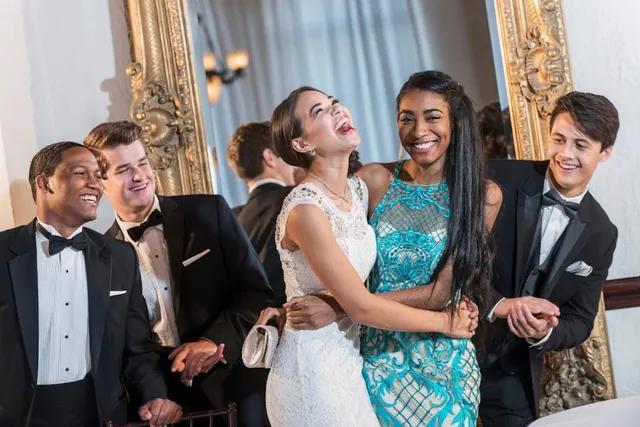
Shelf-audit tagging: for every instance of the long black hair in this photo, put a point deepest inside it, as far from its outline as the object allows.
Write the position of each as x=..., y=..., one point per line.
x=468, y=242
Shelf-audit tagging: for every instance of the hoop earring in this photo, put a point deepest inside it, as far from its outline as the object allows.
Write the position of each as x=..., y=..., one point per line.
x=313, y=151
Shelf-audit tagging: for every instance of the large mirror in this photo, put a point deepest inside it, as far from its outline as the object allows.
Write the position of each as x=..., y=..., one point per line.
x=509, y=51
x=360, y=52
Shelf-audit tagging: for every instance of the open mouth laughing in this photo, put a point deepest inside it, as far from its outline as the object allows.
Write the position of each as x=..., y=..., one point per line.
x=91, y=199
x=567, y=166
x=344, y=126
x=422, y=145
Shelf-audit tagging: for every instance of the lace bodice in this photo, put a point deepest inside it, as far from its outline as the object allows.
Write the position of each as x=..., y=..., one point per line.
x=350, y=228
x=316, y=379
x=423, y=379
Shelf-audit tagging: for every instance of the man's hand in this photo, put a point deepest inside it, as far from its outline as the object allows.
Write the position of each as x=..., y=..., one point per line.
x=194, y=358
x=524, y=324
x=538, y=307
x=310, y=312
x=159, y=412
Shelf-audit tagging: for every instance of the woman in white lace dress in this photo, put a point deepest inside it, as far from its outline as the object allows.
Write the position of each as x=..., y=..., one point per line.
x=326, y=246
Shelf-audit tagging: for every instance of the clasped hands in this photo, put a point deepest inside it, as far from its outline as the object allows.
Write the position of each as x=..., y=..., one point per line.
x=528, y=317
x=316, y=311
x=194, y=358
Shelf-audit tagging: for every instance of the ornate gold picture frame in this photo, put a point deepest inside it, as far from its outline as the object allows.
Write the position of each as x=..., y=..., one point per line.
x=536, y=66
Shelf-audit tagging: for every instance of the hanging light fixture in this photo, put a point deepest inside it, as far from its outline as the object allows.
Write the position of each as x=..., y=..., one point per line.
x=224, y=73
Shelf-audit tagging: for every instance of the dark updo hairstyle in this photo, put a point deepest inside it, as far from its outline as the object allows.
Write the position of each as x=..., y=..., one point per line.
x=285, y=127
x=468, y=241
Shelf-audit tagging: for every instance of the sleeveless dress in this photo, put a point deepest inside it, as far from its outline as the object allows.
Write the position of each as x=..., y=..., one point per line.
x=316, y=378
x=416, y=379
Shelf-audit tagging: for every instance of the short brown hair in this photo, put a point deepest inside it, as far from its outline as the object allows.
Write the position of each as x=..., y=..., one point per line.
x=245, y=149
x=109, y=135
x=47, y=160
x=594, y=115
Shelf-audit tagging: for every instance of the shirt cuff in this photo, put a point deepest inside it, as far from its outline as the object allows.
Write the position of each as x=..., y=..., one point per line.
x=492, y=314
x=533, y=343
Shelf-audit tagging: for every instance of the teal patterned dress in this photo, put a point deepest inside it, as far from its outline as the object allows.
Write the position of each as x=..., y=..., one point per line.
x=416, y=379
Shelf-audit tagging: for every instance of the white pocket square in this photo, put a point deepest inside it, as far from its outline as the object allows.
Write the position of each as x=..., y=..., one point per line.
x=116, y=293
x=580, y=268
x=194, y=258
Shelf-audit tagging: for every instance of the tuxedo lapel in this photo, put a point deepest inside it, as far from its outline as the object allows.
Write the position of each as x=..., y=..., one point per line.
x=573, y=240
x=98, y=265
x=24, y=278
x=528, y=211
x=173, y=226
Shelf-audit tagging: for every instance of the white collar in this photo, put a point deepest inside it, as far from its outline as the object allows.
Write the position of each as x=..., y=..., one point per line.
x=51, y=229
x=125, y=225
x=257, y=183
x=548, y=185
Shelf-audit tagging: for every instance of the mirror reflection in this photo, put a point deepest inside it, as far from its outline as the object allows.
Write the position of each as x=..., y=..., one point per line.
x=361, y=52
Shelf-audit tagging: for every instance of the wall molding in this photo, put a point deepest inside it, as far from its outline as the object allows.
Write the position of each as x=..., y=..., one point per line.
x=622, y=293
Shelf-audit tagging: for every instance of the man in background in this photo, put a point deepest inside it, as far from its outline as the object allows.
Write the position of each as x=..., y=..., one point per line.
x=253, y=158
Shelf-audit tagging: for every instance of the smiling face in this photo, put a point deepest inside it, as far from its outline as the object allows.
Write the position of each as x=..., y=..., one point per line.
x=326, y=125
x=69, y=197
x=573, y=156
x=129, y=183
x=424, y=127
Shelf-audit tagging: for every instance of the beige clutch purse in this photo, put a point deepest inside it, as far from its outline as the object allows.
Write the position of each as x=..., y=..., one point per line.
x=260, y=346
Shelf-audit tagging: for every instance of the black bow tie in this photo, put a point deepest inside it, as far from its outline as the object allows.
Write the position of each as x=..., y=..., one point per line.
x=552, y=197
x=57, y=243
x=136, y=232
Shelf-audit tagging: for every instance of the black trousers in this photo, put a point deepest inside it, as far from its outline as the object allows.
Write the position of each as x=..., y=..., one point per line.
x=65, y=405
x=245, y=387
x=506, y=398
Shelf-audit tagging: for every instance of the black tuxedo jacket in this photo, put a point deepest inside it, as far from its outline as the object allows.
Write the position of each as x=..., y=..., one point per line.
x=121, y=344
x=220, y=295
x=590, y=237
x=258, y=218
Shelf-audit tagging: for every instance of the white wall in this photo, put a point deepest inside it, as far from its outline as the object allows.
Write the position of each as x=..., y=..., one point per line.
x=63, y=68
x=604, y=50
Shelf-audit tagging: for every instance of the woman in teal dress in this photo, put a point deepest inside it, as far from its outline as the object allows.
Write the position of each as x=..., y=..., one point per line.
x=430, y=214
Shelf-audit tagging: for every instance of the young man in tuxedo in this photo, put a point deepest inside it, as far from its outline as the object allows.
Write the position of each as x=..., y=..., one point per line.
x=73, y=322
x=203, y=283
x=253, y=158
x=554, y=247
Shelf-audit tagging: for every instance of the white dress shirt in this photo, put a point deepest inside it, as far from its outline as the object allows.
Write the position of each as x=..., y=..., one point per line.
x=155, y=273
x=63, y=313
x=553, y=222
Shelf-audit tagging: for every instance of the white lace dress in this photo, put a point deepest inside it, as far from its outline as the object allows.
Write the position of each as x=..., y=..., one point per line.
x=316, y=378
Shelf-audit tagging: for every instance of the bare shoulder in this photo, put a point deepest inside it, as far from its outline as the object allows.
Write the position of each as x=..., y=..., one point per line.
x=493, y=196
x=308, y=217
x=376, y=175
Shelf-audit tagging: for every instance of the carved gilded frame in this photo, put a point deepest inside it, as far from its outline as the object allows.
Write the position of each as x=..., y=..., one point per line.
x=165, y=98
x=536, y=65
x=536, y=68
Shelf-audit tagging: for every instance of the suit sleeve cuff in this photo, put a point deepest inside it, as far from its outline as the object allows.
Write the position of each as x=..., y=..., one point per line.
x=492, y=314
x=538, y=344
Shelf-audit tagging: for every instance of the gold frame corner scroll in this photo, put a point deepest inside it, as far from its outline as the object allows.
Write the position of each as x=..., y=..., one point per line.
x=165, y=101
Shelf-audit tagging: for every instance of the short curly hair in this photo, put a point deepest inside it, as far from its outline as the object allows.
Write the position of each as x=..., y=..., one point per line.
x=47, y=160
x=245, y=148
